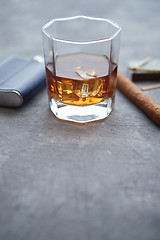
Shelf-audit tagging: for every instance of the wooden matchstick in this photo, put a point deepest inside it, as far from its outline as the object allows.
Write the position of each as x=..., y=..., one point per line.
x=150, y=87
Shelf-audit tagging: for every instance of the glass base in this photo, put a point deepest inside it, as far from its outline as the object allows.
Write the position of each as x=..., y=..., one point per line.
x=81, y=114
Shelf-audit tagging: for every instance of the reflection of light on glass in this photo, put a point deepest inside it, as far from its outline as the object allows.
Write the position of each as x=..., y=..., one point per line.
x=85, y=75
x=85, y=88
x=92, y=74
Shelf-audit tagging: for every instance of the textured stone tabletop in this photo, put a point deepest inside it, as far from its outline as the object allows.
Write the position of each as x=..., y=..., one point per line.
x=64, y=181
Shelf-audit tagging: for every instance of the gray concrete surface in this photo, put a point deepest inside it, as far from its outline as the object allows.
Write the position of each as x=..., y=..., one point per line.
x=64, y=181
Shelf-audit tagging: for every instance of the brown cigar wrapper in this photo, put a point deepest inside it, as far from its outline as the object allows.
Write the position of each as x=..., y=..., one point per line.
x=144, y=102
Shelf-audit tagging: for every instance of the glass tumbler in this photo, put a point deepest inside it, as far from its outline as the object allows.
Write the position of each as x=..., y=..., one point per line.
x=81, y=59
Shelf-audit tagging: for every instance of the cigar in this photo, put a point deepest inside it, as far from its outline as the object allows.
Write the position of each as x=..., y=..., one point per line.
x=134, y=93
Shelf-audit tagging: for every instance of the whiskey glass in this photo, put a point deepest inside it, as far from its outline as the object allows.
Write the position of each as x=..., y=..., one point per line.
x=81, y=60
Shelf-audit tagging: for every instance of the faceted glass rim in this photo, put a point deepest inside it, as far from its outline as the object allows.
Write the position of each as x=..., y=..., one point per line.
x=81, y=42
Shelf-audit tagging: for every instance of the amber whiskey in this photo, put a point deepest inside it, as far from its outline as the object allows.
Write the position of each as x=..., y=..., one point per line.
x=81, y=79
